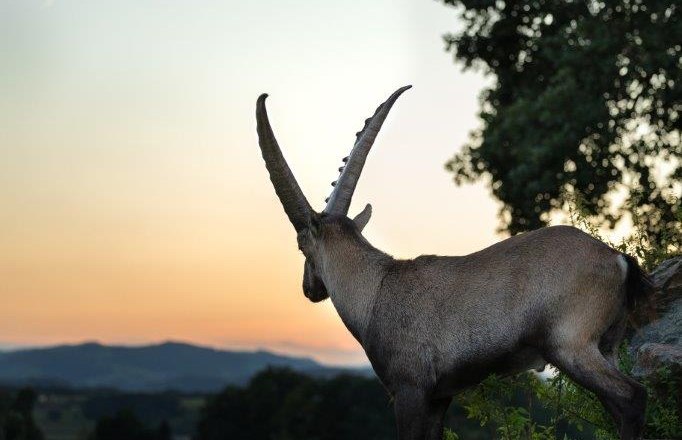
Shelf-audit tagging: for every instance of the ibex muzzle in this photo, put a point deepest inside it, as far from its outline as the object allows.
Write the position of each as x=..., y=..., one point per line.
x=433, y=325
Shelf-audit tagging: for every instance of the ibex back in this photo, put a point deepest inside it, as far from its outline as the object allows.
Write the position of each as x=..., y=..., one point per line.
x=434, y=325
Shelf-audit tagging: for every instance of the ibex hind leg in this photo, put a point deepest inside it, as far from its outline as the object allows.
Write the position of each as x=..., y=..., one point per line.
x=611, y=339
x=624, y=398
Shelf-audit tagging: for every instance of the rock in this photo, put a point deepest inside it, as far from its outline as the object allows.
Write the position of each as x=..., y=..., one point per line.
x=659, y=343
x=665, y=330
x=667, y=278
x=652, y=356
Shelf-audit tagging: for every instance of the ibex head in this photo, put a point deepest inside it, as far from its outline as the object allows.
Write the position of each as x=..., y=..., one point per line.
x=316, y=229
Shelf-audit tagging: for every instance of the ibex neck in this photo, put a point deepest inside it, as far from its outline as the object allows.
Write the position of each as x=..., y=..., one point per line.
x=352, y=272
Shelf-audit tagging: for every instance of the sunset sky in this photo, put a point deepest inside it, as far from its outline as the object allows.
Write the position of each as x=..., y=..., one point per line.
x=135, y=204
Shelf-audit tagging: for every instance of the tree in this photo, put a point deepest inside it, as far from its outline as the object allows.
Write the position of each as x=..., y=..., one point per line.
x=281, y=404
x=16, y=415
x=585, y=99
x=125, y=424
x=251, y=412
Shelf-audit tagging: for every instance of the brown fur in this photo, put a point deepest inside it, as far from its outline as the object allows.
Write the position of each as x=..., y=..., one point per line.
x=433, y=325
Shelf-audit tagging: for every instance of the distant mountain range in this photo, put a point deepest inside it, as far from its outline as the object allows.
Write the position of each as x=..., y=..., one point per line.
x=168, y=366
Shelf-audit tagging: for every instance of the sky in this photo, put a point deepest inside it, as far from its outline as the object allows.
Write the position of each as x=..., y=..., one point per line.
x=135, y=204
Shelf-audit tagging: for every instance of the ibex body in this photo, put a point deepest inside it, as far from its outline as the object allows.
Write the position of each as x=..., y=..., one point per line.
x=433, y=325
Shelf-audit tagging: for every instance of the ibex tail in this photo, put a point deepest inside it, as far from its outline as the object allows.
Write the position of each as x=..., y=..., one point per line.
x=638, y=285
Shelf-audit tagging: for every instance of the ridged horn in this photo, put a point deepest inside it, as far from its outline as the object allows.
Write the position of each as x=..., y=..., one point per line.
x=340, y=198
x=290, y=195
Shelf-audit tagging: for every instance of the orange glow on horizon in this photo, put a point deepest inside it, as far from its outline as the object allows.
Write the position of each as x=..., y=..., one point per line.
x=136, y=207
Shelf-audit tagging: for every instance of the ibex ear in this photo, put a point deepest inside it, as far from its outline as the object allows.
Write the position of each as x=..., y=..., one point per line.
x=314, y=224
x=361, y=219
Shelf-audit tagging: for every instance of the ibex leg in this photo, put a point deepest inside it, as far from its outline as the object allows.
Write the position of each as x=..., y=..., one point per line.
x=435, y=419
x=414, y=415
x=608, y=345
x=624, y=398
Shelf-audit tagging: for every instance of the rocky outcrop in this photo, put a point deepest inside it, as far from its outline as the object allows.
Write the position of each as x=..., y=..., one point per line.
x=659, y=343
x=651, y=356
x=667, y=278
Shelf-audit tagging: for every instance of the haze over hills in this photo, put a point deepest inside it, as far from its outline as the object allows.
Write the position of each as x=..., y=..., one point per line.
x=167, y=366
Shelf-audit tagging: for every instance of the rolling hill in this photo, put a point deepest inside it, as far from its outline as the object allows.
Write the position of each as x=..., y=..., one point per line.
x=168, y=366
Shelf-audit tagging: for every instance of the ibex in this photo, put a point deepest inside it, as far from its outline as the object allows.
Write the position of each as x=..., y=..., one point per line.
x=434, y=325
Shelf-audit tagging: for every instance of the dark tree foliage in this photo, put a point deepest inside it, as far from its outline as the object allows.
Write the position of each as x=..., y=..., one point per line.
x=126, y=425
x=281, y=404
x=16, y=415
x=152, y=408
x=586, y=96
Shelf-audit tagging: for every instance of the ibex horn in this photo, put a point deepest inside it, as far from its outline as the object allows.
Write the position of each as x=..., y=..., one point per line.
x=294, y=202
x=340, y=198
